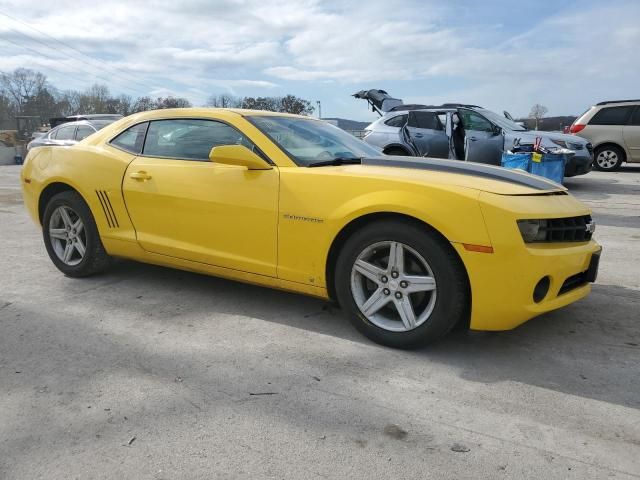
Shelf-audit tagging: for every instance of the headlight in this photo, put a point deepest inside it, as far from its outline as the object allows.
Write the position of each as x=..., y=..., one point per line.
x=560, y=143
x=533, y=230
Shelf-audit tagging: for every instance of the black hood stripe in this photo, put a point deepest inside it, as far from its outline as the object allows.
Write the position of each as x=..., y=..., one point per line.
x=465, y=168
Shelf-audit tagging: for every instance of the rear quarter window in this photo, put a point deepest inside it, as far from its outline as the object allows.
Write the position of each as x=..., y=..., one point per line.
x=397, y=121
x=132, y=139
x=612, y=116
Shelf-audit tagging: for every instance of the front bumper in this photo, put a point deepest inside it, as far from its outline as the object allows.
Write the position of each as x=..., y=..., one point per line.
x=579, y=164
x=503, y=282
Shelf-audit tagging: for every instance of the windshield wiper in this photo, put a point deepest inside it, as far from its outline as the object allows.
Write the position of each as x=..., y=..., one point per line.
x=337, y=161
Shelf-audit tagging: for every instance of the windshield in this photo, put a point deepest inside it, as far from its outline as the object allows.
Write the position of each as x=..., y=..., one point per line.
x=501, y=120
x=308, y=141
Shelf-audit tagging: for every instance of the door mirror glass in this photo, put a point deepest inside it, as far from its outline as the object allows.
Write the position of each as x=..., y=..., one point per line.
x=238, y=155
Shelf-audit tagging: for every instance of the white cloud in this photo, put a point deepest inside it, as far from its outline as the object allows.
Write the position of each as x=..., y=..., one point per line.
x=433, y=50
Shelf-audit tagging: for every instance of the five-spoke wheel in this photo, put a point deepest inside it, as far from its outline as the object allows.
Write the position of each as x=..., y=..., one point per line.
x=71, y=236
x=393, y=286
x=401, y=283
x=67, y=235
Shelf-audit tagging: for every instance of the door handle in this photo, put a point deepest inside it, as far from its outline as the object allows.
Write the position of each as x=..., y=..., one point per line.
x=473, y=139
x=140, y=176
x=418, y=135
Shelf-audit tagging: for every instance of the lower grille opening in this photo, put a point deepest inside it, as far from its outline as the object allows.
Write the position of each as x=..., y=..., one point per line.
x=573, y=282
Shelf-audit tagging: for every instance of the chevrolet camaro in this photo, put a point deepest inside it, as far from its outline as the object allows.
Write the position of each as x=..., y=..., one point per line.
x=409, y=247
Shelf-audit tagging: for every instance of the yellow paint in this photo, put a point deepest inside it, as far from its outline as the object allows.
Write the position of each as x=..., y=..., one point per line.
x=275, y=227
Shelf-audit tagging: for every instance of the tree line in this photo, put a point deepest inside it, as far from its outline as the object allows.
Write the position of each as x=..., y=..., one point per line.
x=28, y=92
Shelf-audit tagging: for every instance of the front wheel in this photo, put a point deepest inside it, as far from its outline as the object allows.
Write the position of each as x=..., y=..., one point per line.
x=71, y=236
x=402, y=285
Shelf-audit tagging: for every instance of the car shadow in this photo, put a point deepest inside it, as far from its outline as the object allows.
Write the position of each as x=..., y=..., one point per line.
x=578, y=350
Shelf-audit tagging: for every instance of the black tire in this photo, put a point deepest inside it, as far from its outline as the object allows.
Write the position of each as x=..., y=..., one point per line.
x=95, y=258
x=452, y=304
x=608, y=158
x=397, y=151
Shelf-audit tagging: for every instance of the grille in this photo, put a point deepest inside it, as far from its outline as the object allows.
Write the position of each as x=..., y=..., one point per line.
x=570, y=229
x=107, y=208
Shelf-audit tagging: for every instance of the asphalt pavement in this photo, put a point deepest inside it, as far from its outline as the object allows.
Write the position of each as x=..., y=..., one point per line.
x=151, y=373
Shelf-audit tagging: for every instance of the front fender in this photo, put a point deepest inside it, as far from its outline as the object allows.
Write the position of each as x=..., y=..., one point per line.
x=314, y=209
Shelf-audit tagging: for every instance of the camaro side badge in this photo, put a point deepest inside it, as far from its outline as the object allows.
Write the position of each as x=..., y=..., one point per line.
x=302, y=218
x=590, y=227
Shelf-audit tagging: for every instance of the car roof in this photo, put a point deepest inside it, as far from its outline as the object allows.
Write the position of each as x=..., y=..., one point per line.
x=613, y=102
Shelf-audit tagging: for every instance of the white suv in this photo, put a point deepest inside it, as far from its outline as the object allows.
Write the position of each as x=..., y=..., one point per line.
x=613, y=128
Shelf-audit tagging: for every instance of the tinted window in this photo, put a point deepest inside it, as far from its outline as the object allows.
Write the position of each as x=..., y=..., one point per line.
x=190, y=139
x=83, y=132
x=473, y=121
x=612, y=116
x=65, y=133
x=635, y=118
x=397, y=121
x=425, y=120
x=307, y=141
x=131, y=139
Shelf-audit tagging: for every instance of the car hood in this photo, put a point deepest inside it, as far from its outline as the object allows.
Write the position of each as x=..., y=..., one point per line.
x=477, y=176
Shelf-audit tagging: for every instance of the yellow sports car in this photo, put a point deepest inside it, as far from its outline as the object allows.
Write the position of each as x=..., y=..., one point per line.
x=409, y=247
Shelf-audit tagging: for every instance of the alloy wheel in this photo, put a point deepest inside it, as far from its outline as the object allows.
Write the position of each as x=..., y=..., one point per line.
x=67, y=235
x=607, y=159
x=393, y=286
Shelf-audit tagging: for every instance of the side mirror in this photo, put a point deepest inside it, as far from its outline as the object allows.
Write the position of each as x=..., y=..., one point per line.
x=238, y=155
x=497, y=130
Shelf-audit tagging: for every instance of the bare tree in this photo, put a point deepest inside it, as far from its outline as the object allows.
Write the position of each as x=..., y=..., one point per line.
x=538, y=112
x=224, y=100
x=21, y=85
x=172, y=102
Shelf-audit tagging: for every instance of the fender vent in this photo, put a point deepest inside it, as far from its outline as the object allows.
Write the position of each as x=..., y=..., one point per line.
x=107, y=208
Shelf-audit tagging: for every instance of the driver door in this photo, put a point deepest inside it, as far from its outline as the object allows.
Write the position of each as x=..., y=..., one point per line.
x=185, y=206
x=482, y=142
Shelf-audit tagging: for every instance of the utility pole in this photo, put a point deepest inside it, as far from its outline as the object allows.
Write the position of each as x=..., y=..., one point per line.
x=319, y=109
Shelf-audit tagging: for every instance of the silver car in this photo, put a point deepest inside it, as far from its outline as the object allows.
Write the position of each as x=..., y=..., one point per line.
x=70, y=133
x=461, y=132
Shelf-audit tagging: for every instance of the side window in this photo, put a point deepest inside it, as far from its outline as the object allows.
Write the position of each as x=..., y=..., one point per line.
x=612, y=116
x=132, y=138
x=474, y=121
x=635, y=118
x=190, y=139
x=66, y=132
x=397, y=121
x=427, y=120
x=83, y=132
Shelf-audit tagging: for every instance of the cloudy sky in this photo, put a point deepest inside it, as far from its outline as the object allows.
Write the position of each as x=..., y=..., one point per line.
x=503, y=54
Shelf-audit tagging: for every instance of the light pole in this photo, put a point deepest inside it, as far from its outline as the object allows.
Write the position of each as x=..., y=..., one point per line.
x=319, y=109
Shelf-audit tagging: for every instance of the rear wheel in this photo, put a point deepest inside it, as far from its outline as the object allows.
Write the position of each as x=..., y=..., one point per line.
x=71, y=236
x=608, y=158
x=401, y=285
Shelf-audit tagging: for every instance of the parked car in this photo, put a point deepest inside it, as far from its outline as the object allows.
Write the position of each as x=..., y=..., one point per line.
x=70, y=133
x=613, y=127
x=292, y=202
x=54, y=122
x=460, y=132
